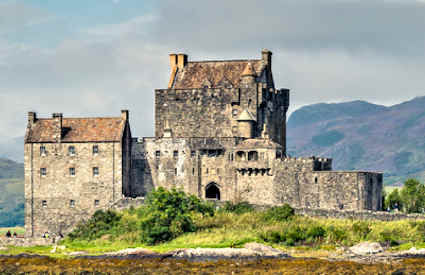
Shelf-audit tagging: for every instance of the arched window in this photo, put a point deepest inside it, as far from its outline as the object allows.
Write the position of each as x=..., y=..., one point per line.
x=212, y=192
x=240, y=156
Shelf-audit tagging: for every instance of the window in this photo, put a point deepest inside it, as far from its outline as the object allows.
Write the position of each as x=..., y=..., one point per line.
x=234, y=112
x=252, y=155
x=42, y=150
x=71, y=203
x=71, y=150
x=192, y=154
x=44, y=203
x=175, y=171
x=218, y=171
x=72, y=171
x=315, y=180
x=95, y=171
x=206, y=171
x=193, y=171
x=157, y=154
x=278, y=154
x=96, y=202
x=43, y=172
x=95, y=149
x=175, y=154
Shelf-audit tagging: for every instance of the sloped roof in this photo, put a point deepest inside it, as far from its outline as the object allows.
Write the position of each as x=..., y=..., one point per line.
x=198, y=74
x=258, y=143
x=78, y=130
x=246, y=116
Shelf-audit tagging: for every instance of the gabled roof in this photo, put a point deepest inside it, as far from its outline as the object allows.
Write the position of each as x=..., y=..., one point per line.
x=196, y=73
x=246, y=116
x=78, y=130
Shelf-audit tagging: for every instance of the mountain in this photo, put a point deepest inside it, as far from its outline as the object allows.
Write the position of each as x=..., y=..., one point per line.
x=10, y=169
x=11, y=193
x=12, y=149
x=362, y=136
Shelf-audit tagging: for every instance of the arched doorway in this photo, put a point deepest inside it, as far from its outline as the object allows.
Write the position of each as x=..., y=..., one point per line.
x=212, y=192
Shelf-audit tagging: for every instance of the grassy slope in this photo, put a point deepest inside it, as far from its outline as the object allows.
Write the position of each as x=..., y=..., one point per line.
x=233, y=230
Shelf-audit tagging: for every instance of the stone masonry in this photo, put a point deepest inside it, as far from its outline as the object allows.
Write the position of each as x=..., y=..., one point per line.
x=220, y=134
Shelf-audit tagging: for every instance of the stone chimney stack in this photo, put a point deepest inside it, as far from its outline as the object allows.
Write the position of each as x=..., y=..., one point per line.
x=266, y=56
x=173, y=60
x=181, y=60
x=57, y=126
x=32, y=118
x=124, y=115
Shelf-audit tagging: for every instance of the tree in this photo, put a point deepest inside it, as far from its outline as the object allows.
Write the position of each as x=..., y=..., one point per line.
x=413, y=196
x=393, y=200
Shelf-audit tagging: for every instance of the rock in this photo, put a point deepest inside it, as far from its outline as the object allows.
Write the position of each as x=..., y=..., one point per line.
x=131, y=251
x=366, y=248
x=251, y=250
x=61, y=247
x=77, y=253
x=53, y=249
x=264, y=250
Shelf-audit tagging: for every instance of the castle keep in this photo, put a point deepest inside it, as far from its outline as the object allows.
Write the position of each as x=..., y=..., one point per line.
x=220, y=134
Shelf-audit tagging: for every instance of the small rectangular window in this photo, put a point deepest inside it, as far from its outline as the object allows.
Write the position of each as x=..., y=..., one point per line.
x=206, y=171
x=95, y=171
x=71, y=150
x=218, y=171
x=175, y=154
x=95, y=149
x=192, y=153
x=71, y=203
x=175, y=171
x=42, y=150
x=315, y=180
x=43, y=172
x=193, y=171
x=44, y=203
x=96, y=202
x=157, y=154
x=72, y=171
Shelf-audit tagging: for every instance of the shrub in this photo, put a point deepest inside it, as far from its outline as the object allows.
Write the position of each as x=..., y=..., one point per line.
x=238, y=208
x=167, y=214
x=361, y=229
x=315, y=233
x=279, y=213
x=99, y=224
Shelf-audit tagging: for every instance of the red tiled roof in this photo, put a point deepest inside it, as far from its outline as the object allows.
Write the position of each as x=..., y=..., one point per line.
x=213, y=73
x=78, y=130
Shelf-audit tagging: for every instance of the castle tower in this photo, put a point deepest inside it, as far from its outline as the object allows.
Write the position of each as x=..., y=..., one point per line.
x=246, y=124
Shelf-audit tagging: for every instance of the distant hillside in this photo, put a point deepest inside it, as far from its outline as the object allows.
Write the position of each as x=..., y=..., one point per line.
x=10, y=169
x=362, y=136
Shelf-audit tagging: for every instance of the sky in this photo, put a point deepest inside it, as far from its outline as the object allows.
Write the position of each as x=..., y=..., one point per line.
x=97, y=57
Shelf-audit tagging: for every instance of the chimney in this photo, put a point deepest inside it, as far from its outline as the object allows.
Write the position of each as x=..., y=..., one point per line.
x=266, y=55
x=173, y=60
x=124, y=115
x=57, y=126
x=181, y=60
x=32, y=117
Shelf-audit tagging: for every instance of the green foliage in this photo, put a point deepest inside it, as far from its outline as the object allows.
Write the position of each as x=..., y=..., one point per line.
x=328, y=138
x=238, y=208
x=168, y=214
x=393, y=200
x=294, y=234
x=11, y=202
x=279, y=213
x=101, y=223
x=361, y=229
x=413, y=196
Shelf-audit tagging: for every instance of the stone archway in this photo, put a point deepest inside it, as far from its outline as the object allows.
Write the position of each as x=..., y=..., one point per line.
x=212, y=191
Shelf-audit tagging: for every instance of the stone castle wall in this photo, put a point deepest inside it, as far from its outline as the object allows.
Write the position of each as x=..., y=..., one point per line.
x=58, y=200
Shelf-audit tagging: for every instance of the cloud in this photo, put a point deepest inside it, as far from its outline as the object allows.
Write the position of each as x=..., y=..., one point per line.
x=324, y=51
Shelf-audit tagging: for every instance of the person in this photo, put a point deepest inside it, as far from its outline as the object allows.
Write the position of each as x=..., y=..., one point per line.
x=14, y=234
x=8, y=234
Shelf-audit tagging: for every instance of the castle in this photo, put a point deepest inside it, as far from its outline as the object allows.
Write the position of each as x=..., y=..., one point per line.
x=220, y=134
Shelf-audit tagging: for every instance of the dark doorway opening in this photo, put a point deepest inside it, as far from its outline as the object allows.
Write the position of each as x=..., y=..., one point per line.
x=212, y=192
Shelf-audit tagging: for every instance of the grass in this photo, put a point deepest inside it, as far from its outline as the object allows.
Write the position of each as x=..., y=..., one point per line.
x=299, y=235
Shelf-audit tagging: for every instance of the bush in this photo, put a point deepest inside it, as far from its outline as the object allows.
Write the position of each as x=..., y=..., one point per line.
x=279, y=213
x=99, y=224
x=167, y=214
x=361, y=229
x=238, y=208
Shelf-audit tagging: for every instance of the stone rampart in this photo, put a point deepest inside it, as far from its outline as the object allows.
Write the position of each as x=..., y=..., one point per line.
x=26, y=241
